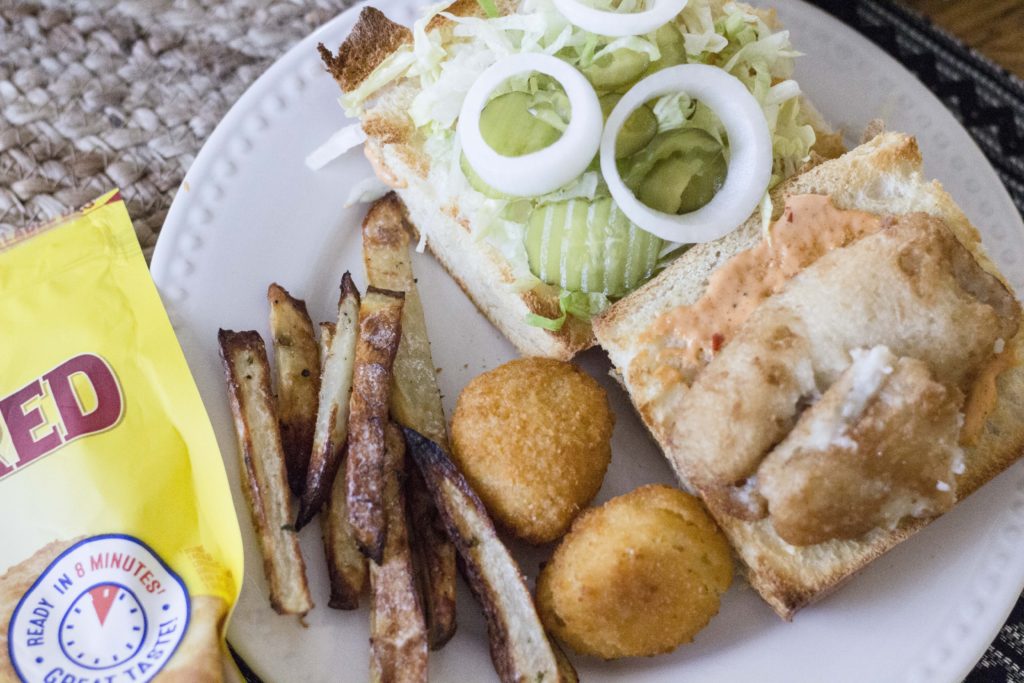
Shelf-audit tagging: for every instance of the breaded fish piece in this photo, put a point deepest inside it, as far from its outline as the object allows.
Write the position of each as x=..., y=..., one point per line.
x=880, y=445
x=911, y=287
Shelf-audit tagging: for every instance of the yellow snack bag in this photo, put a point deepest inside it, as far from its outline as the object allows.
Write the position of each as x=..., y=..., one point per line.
x=122, y=555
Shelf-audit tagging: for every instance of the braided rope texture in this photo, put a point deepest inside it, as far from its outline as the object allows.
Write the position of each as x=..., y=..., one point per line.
x=102, y=93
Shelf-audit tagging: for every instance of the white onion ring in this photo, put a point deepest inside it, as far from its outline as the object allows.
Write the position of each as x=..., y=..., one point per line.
x=618, y=24
x=546, y=169
x=750, y=158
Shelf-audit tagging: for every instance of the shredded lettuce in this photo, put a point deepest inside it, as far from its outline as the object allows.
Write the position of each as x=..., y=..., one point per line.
x=634, y=43
x=445, y=62
x=579, y=304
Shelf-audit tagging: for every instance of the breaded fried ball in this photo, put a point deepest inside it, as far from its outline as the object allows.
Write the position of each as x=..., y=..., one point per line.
x=533, y=438
x=635, y=577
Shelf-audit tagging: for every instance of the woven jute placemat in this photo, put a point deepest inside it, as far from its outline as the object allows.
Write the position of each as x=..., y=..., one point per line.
x=102, y=93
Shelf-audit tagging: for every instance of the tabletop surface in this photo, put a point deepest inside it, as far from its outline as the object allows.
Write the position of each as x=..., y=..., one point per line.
x=993, y=27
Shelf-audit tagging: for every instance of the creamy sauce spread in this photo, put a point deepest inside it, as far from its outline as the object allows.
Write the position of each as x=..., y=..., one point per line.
x=981, y=398
x=810, y=227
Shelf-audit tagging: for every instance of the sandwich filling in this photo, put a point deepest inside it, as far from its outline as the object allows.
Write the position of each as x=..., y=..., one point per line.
x=823, y=373
x=672, y=152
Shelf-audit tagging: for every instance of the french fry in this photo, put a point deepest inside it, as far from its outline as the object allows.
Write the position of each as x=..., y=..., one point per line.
x=398, y=633
x=331, y=428
x=297, y=362
x=520, y=648
x=380, y=328
x=346, y=566
x=415, y=403
x=263, y=469
x=434, y=558
x=415, y=397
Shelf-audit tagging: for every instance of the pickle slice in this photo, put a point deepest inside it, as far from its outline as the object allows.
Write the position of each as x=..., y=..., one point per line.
x=589, y=246
x=678, y=172
x=637, y=130
x=672, y=46
x=616, y=69
x=509, y=126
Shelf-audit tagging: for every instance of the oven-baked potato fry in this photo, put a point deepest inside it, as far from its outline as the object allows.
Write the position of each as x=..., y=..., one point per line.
x=380, y=328
x=520, y=648
x=415, y=403
x=346, y=565
x=297, y=365
x=434, y=558
x=332, y=413
x=398, y=633
x=265, y=485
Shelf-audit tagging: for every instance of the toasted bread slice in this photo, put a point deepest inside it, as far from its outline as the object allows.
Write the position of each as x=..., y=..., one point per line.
x=882, y=176
x=396, y=151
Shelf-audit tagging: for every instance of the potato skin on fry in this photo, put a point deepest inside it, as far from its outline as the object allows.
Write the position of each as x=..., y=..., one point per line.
x=380, y=329
x=331, y=426
x=262, y=460
x=415, y=403
x=398, y=631
x=520, y=649
x=533, y=438
x=637, y=576
x=297, y=362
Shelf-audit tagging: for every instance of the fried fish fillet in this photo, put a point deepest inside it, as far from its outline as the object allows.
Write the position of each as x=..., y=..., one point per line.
x=880, y=445
x=911, y=287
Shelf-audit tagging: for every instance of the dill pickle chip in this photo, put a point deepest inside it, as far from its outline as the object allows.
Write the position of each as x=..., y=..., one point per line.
x=616, y=69
x=637, y=130
x=589, y=246
x=677, y=172
x=672, y=46
x=508, y=125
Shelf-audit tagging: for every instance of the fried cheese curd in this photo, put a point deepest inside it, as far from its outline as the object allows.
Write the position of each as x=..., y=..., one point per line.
x=637, y=576
x=533, y=438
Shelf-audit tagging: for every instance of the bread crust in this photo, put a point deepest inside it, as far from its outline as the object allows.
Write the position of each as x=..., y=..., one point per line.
x=373, y=38
x=882, y=176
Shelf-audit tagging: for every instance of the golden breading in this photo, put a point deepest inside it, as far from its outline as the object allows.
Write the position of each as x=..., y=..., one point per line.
x=880, y=445
x=533, y=438
x=637, y=576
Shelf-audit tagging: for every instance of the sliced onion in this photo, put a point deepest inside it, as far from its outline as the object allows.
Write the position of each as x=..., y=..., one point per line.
x=750, y=153
x=347, y=138
x=547, y=169
x=617, y=24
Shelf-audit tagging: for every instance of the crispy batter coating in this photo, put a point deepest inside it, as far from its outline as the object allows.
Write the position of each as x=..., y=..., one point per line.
x=533, y=438
x=637, y=576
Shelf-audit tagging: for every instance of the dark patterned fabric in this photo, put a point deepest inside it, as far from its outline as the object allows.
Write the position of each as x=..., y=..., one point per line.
x=989, y=102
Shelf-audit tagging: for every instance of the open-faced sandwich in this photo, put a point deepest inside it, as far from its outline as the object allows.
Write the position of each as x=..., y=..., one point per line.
x=556, y=154
x=833, y=382
x=818, y=342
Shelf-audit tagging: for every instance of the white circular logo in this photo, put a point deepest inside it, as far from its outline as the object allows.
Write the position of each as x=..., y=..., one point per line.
x=108, y=609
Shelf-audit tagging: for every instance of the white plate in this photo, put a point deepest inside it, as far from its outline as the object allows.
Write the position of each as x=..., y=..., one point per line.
x=250, y=212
